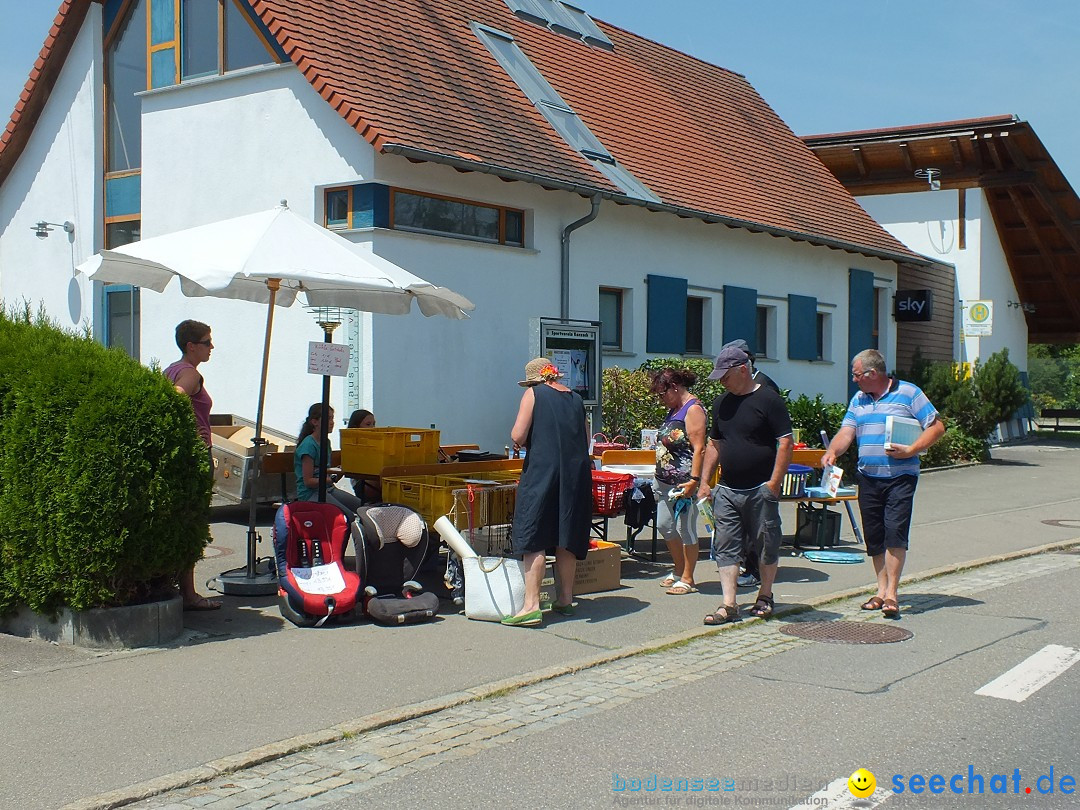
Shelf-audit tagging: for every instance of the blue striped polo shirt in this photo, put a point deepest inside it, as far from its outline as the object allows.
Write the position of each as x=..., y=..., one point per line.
x=867, y=416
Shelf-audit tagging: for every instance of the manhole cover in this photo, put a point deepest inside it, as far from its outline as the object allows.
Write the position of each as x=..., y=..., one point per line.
x=847, y=632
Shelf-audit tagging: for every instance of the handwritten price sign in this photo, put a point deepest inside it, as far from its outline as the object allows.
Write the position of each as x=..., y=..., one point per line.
x=328, y=359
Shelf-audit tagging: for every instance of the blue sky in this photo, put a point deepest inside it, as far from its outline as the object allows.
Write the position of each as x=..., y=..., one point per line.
x=830, y=66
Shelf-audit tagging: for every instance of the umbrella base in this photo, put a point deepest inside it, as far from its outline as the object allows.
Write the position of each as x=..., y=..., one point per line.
x=238, y=583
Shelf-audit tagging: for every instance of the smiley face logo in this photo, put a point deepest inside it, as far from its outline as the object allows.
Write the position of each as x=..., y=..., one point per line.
x=861, y=783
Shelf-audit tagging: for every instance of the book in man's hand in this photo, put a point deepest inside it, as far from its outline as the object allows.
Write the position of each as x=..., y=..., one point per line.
x=902, y=430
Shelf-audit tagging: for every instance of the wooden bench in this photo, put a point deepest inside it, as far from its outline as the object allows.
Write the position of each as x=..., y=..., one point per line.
x=1061, y=413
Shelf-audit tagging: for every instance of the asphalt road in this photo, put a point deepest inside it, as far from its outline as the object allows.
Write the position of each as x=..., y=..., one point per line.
x=78, y=723
x=809, y=716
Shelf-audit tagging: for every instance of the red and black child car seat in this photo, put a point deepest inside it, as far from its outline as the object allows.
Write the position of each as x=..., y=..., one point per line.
x=309, y=545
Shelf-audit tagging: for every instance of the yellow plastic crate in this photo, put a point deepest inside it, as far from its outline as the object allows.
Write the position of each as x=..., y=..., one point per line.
x=408, y=491
x=366, y=451
x=493, y=503
x=426, y=494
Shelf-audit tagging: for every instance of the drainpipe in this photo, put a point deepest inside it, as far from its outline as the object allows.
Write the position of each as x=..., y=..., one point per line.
x=564, y=275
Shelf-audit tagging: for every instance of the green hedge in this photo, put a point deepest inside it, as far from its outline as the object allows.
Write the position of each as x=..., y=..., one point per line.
x=104, y=483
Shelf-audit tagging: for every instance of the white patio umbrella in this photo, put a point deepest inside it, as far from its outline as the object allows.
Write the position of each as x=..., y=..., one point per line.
x=271, y=257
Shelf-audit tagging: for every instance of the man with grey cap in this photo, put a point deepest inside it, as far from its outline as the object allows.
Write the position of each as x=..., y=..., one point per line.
x=751, y=440
x=759, y=376
x=751, y=575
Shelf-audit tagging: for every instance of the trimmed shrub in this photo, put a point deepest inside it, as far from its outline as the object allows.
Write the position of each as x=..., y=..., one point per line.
x=104, y=483
x=955, y=447
x=628, y=407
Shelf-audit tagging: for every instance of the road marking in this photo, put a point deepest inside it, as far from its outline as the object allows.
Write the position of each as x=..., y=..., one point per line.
x=1028, y=677
x=836, y=796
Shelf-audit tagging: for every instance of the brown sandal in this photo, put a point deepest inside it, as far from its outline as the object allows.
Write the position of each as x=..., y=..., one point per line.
x=873, y=603
x=890, y=609
x=723, y=615
x=763, y=607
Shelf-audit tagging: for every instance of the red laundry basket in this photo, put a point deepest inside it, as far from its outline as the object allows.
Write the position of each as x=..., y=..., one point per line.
x=601, y=444
x=608, y=489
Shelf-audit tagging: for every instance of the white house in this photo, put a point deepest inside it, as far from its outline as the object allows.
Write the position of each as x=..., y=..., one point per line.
x=539, y=162
x=984, y=196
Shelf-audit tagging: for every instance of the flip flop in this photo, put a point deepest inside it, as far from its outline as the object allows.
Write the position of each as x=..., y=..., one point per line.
x=203, y=603
x=873, y=603
x=681, y=588
x=531, y=619
x=890, y=609
x=668, y=581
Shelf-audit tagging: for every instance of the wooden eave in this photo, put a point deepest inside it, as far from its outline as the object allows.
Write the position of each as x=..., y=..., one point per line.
x=1035, y=210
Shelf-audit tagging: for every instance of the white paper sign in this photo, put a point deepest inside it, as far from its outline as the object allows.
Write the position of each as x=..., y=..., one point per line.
x=321, y=579
x=830, y=480
x=328, y=359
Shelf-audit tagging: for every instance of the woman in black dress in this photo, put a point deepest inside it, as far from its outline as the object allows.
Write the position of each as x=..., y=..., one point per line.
x=554, y=497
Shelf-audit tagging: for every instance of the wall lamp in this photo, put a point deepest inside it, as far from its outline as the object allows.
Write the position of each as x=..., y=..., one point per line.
x=1023, y=305
x=42, y=230
x=931, y=176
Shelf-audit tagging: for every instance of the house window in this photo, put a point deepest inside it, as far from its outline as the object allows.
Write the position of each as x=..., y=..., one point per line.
x=875, y=340
x=338, y=204
x=448, y=216
x=121, y=232
x=761, y=332
x=375, y=205
x=695, y=326
x=125, y=75
x=824, y=336
x=611, y=318
x=122, y=317
x=218, y=36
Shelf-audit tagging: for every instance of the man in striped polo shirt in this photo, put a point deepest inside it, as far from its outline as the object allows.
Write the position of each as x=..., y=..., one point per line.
x=887, y=476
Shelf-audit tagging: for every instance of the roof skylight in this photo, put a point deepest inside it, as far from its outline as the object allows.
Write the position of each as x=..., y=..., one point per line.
x=558, y=113
x=562, y=18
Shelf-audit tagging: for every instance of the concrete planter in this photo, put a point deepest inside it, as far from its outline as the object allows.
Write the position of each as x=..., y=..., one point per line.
x=116, y=628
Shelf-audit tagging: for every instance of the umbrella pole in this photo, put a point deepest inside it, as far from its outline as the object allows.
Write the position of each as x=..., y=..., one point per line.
x=251, y=583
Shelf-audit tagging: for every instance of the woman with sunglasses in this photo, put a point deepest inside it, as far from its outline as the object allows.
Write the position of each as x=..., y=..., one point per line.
x=680, y=455
x=195, y=344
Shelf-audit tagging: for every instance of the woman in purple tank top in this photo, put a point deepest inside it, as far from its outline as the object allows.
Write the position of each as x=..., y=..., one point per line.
x=195, y=344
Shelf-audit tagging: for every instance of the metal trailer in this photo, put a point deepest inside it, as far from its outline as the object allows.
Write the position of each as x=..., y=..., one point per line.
x=232, y=453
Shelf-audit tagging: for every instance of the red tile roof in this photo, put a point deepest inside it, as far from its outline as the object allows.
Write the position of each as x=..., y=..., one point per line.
x=412, y=78
x=43, y=76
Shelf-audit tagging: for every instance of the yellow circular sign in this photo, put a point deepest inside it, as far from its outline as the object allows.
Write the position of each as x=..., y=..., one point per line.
x=979, y=313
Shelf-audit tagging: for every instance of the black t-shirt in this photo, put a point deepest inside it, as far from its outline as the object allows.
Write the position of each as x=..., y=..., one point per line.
x=747, y=428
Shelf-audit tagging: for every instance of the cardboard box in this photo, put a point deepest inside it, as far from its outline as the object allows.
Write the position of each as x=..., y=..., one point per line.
x=600, y=571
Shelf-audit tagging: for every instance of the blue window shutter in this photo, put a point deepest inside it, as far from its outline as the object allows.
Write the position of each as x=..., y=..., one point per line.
x=123, y=196
x=740, y=316
x=665, y=328
x=860, y=315
x=802, y=327
x=371, y=206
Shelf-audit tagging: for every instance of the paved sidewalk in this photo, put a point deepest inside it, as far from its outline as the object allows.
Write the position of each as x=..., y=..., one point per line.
x=349, y=767
x=81, y=723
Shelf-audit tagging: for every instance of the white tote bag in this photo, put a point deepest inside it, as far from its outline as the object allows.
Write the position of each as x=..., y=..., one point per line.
x=494, y=587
